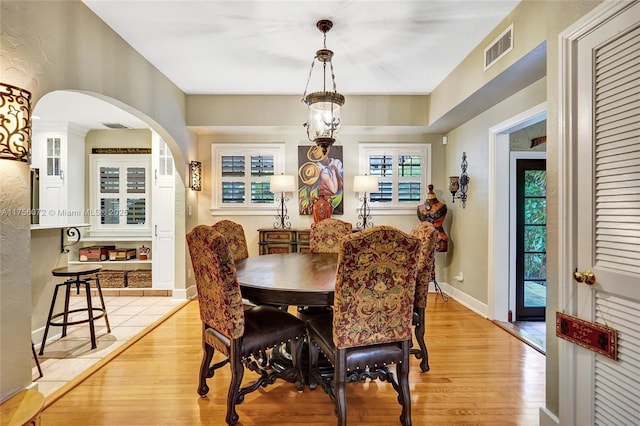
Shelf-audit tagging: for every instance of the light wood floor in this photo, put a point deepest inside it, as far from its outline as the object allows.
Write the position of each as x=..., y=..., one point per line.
x=480, y=375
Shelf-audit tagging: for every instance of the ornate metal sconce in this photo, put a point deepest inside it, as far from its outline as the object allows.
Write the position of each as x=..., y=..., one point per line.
x=195, y=175
x=15, y=123
x=458, y=185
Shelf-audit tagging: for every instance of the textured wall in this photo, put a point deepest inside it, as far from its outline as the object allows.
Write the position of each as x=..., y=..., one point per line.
x=15, y=289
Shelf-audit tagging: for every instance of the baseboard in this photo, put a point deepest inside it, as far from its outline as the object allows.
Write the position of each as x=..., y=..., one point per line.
x=464, y=299
x=185, y=293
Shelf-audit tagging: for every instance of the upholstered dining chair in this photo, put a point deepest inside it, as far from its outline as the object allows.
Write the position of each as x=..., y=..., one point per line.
x=244, y=337
x=234, y=233
x=371, y=324
x=325, y=235
x=427, y=234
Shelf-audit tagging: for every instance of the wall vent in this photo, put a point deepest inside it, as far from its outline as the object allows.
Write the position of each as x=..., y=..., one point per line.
x=114, y=125
x=499, y=47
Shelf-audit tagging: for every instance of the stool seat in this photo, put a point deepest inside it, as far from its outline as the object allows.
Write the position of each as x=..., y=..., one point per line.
x=77, y=275
x=76, y=270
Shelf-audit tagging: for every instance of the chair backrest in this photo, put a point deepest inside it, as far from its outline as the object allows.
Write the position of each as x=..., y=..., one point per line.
x=375, y=285
x=428, y=235
x=325, y=236
x=234, y=233
x=216, y=281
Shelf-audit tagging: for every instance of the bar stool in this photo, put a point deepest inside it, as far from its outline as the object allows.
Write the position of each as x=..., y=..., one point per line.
x=78, y=275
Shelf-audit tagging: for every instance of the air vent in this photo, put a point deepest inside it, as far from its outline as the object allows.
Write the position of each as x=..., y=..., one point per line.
x=499, y=47
x=114, y=125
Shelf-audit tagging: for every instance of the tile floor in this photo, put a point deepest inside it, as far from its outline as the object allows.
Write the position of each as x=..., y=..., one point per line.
x=66, y=358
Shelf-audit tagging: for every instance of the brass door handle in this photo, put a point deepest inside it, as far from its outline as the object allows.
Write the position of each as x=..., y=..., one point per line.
x=586, y=277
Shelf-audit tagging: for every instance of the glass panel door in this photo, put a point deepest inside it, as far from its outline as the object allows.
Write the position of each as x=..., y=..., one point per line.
x=531, y=244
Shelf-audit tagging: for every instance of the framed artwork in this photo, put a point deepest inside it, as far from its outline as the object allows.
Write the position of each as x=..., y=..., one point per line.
x=320, y=175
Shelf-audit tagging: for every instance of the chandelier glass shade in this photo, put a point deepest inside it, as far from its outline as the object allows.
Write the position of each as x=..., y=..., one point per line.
x=323, y=122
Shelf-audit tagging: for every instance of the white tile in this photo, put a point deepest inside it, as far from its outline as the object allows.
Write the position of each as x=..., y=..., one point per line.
x=67, y=357
x=127, y=310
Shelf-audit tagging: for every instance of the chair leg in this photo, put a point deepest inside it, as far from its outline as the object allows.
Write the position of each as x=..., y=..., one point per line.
x=419, y=331
x=296, y=357
x=207, y=356
x=339, y=380
x=237, y=371
x=314, y=353
x=402, y=371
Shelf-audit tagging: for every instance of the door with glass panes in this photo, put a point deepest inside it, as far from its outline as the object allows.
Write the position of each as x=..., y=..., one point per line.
x=531, y=240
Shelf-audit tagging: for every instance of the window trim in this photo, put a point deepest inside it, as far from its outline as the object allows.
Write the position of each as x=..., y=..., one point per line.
x=118, y=160
x=395, y=149
x=246, y=149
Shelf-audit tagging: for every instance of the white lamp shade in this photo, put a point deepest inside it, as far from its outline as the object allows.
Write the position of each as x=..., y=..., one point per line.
x=365, y=183
x=282, y=183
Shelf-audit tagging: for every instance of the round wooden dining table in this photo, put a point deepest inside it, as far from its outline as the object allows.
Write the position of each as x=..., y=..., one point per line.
x=294, y=279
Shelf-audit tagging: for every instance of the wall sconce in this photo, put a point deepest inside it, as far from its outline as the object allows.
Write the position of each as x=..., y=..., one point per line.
x=195, y=175
x=458, y=185
x=282, y=183
x=15, y=123
x=365, y=184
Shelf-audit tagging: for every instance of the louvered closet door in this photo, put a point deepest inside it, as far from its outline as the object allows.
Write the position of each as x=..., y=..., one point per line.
x=608, y=232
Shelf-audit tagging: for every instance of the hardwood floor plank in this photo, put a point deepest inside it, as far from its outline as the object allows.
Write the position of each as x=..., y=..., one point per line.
x=480, y=374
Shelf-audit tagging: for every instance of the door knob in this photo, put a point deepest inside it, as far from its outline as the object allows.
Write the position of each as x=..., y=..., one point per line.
x=586, y=277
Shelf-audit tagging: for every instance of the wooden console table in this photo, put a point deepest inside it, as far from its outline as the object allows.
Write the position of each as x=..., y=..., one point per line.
x=278, y=241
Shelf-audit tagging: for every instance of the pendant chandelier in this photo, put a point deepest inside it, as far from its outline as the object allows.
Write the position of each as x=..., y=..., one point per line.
x=323, y=123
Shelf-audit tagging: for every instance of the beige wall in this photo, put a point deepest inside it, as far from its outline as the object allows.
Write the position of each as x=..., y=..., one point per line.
x=292, y=140
x=82, y=53
x=534, y=22
x=470, y=252
x=78, y=52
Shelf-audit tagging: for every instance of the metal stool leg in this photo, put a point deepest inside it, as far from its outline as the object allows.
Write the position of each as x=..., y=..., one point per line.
x=92, y=330
x=46, y=328
x=67, y=296
x=35, y=357
x=439, y=291
x=104, y=307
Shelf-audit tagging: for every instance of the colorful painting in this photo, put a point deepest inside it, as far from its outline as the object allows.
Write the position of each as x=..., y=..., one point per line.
x=320, y=175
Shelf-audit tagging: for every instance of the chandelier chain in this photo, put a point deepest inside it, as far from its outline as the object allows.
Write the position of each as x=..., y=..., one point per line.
x=306, y=87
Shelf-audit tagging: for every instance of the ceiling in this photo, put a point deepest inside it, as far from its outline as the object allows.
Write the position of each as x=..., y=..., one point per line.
x=266, y=47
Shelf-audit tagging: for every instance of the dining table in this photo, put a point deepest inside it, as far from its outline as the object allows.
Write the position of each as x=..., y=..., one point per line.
x=289, y=279
x=306, y=280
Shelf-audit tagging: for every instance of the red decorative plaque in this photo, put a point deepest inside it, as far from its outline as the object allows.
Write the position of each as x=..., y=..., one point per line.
x=595, y=337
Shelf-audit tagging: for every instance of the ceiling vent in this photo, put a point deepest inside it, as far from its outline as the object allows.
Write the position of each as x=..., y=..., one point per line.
x=499, y=47
x=114, y=125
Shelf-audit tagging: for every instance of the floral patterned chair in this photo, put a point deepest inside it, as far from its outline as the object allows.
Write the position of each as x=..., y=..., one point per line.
x=325, y=236
x=243, y=336
x=234, y=233
x=428, y=235
x=370, y=328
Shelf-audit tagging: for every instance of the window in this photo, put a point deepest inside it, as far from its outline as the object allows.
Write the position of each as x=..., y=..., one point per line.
x=165, y=160
x=241, y=176
x=403, y=172
x=53, y=157
x=120, y=194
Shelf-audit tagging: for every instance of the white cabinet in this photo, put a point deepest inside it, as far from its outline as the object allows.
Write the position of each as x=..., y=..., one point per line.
x=163, y=206
x=58, y=152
